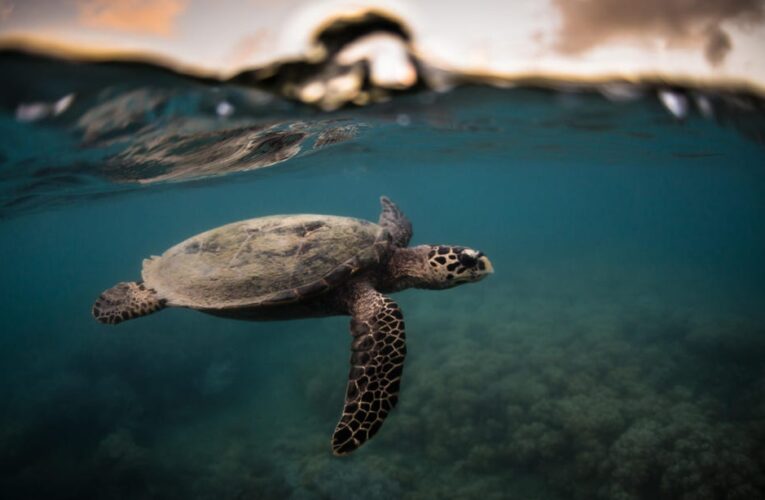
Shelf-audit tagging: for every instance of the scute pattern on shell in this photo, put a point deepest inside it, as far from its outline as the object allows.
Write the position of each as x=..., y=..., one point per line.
x=279, y=258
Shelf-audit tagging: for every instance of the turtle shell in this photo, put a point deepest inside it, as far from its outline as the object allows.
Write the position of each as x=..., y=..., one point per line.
x=266, y=261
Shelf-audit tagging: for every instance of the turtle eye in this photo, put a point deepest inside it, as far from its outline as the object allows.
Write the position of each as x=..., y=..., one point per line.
x=467, y=260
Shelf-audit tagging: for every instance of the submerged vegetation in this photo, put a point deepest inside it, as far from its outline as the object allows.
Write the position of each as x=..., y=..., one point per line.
x=506, y=395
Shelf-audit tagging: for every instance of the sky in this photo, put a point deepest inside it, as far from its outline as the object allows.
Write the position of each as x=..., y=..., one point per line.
x=705, y=40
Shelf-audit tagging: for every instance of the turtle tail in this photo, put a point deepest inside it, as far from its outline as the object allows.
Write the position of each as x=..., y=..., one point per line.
x=126, y=301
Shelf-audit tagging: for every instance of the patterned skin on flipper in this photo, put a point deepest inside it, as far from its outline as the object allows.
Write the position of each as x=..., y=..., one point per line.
x=394, y=220
x=126, y=301
x=377, y=361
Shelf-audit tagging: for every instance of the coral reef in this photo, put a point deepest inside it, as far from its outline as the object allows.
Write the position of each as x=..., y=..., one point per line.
x=601, y=412
x=531, y=396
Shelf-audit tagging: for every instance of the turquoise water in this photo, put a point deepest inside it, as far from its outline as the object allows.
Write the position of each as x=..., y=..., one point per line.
x=615, y=353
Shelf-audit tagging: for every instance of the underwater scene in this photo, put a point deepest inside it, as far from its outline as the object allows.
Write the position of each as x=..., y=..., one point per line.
x=616, y=352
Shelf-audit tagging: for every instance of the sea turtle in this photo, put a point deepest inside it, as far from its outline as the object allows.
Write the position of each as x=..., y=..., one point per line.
x=298, y=266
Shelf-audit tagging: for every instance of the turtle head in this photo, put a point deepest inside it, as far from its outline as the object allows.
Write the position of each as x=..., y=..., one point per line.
x=435, y=267
x=449, y=266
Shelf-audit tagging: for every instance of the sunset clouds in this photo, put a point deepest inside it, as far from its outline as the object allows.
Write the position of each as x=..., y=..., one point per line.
x=155, y=17
x=698, y=24
x=703, y=40
x=6, y=9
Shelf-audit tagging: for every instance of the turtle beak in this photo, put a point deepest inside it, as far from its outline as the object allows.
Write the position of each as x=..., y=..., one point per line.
x=484, y=264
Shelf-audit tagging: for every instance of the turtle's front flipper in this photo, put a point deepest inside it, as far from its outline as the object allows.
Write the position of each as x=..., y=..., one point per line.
x=394, y=220
x=126, y=301
x=377, y=359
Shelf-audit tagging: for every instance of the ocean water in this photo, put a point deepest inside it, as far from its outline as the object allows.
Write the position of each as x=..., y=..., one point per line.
x=617, y=352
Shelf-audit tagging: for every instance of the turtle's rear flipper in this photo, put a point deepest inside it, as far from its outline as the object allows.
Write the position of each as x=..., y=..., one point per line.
x=126, y=301
x=377, y=359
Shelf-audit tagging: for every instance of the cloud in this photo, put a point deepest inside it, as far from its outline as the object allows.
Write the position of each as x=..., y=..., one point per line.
x=718, y=45
x=156, y=17
x=6, y=9
x=675, y=23
x=250, y=47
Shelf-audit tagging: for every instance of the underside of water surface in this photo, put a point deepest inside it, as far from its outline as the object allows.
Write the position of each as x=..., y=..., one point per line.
x=617, y=351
